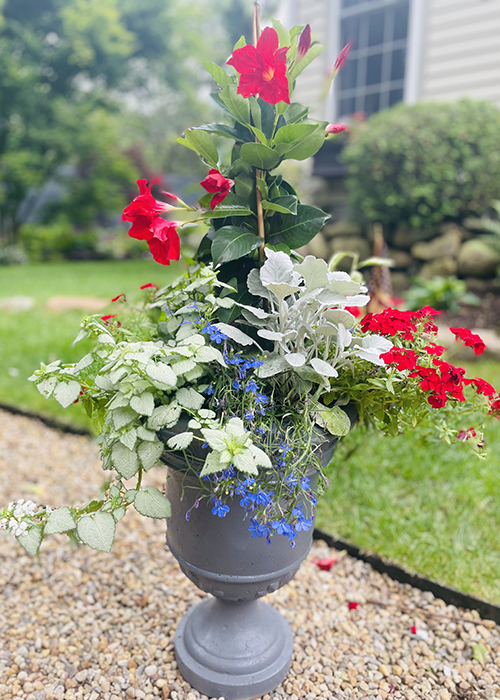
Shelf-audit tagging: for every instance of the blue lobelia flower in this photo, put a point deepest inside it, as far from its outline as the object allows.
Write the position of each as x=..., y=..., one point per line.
x=220, y=510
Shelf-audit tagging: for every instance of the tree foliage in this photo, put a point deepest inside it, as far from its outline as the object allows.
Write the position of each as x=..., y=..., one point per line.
x=87, y=83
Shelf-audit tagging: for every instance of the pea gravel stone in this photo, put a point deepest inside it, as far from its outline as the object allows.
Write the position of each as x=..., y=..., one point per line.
x=80, y=624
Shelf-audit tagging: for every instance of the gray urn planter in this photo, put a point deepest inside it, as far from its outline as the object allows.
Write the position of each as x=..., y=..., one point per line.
x=232, y=644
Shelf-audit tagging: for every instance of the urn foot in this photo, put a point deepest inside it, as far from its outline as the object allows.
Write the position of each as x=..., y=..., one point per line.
x=239, y=650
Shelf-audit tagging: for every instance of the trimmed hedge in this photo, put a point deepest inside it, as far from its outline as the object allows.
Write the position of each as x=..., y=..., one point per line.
x=426, y=163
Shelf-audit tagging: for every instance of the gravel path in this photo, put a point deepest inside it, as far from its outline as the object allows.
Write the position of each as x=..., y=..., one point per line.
x=84, y=624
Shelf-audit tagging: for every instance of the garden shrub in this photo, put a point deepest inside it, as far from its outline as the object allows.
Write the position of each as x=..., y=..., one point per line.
x=425, y=163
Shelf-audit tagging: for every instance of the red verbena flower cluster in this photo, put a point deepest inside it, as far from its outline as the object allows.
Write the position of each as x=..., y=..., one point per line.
x=396, y=322
x=471, y=340
x=147, y=225
x=218, y=185
x=262, y=69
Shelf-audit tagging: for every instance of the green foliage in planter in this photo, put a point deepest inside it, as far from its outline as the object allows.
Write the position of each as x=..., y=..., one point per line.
x=425, y=163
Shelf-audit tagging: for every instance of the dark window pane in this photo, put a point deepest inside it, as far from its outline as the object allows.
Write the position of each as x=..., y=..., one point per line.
x=346, y=106
x=372, y=103
x=395, y=96
x=398, y=64
x=376, y=28
x=401, y=22
x=350, y=31
x=348, y=74
x=374, y=69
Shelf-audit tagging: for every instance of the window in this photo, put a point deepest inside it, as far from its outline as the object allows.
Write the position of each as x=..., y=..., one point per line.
x=373, y=75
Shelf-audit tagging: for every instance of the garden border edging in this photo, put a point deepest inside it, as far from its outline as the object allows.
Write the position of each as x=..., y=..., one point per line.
x=451, y=596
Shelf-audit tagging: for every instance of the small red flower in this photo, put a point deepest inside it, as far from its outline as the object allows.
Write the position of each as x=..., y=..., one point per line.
x=414, y=630
x=341, y=58
x=354, y=310
x=469, y=339
x=466, y=434
x=403, y=359
x=165, y=245
x=335, y=129
x=304, y=43
x=482, y=386
x=352, y=605
x=433, y=349
x=326, y=563
x=150, y=285
x=495, y=407
x=119, y=297
x=262, y=69
x=217, y=184
x=106, y=319
x=143, y=211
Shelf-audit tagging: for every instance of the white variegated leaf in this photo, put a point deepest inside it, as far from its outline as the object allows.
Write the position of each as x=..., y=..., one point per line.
x=180, y=441
x=164, y=416
x=323, y=368
x=161, y=375
x=124, y=461
x=66, y=393
x=122, y=416
x=150, y=453
x=235, y=334
x=190, y=398
x=273, y=365
x=295, y=359
x=143, y=404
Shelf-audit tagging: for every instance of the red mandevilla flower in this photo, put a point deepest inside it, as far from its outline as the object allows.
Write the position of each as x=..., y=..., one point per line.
x=471, y=340
x=262, y=69
x=217, y=184
x=164, y=244
x=147, y=225
x=143, y=212
x=352, y=605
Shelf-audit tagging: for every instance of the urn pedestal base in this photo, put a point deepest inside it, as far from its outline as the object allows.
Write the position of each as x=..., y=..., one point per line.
x=239, y=650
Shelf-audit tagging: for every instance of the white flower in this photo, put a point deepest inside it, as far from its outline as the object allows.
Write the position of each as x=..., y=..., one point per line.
x=233, y=444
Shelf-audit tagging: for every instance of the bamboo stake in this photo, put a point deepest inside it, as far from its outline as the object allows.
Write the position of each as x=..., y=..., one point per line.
x=258, y=173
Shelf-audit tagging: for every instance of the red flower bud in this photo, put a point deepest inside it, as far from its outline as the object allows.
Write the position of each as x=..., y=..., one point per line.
x=352, y=605
x=335, y=129
x=304, y=42
x=341, y=58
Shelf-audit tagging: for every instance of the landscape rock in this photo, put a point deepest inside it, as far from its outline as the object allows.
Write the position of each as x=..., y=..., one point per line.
x=446, y=245
x=83, y=303
x=405, y=237
x=343, y=228
x=477, y=258
x=17, y=303
x=441, y=267
x=402, y=259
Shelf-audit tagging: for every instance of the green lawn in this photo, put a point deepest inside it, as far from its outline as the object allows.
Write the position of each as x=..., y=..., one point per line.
x=432, y=508
x=28, y=338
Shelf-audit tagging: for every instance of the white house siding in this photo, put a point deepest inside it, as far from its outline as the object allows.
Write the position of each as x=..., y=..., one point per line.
x=310, y=83
x=461, y=56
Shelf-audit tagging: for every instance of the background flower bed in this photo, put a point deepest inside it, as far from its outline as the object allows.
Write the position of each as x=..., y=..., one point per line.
x=431, y=508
